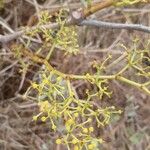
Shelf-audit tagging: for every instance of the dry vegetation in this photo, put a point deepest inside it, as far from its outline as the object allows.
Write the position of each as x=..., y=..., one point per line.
x=128, y=131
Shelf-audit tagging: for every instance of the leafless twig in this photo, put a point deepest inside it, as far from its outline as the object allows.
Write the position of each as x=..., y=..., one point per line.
x=110, y=25
x=102, y=24
x=15, y=35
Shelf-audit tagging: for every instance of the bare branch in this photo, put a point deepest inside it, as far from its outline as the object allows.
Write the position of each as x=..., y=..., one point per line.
x=96, y=7
x=110, y=25
x=12, y=36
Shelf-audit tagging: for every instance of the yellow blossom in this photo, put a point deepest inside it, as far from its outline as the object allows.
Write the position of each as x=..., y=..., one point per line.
x=43, y=119
x=58, y=141
x=91, y=146
x=76, y=114
x=75, y=141
x=34, y=85
x=76, y=147
x=44, y=106
x=91, y=129
x=70, y=122
x=35, y=118
x=85, y=130
x=54, y=127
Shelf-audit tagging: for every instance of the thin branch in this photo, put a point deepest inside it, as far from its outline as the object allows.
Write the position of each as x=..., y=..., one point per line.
x=39, y=59
x=110, y=25
x=96, y=7
x=8, y=67
x=9, y=37
x=105, y=4
x=102, y=24
x=5, y=25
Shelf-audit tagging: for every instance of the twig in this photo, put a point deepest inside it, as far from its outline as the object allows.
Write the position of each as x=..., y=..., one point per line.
x=8, y=67
x=10, y=37
x=96, y=7
x=5, y=25
x=36, y=8
x=110, y=25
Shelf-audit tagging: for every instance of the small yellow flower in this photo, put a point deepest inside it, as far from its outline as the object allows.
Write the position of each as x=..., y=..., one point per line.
x=34, y=85
x=70, y=122
x=91, y=129
x=85, y=130
x=43, y=119
x=75, y=141
x=58, y=141
x=54, y=127
x=44, y=106
x=68, y=128
x=35, y=118
x=76, y=148
x=45, y=81
x=76, y=114
x=91, y=146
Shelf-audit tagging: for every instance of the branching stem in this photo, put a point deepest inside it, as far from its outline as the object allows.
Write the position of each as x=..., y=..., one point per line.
x=38, y=59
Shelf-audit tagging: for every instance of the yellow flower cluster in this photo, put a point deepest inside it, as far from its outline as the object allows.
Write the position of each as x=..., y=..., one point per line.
x=44, y=106
x=73, y=114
